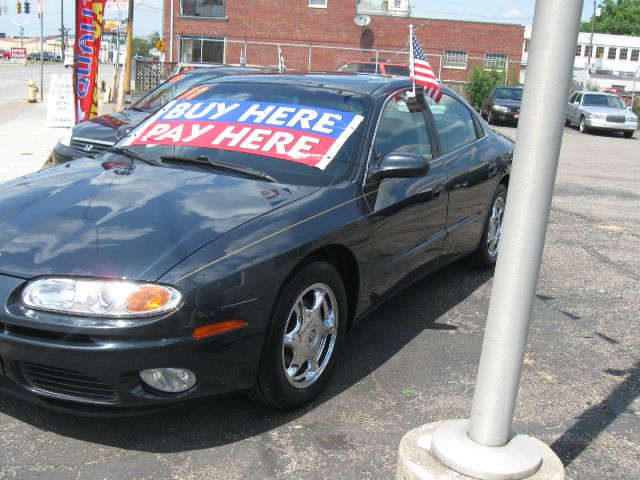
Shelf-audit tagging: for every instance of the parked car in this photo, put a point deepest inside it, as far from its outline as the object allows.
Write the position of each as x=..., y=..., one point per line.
x=600, y=111
x=46, y=57
x=502, y=103
x=90, y=138
x=383, y=68
x=5, y=54
x=232, y=240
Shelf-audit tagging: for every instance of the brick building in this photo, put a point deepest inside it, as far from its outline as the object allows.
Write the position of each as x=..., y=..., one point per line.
x=322, y=35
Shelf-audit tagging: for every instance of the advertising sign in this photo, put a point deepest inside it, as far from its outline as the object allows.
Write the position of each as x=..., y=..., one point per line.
x=117, y=4
x=87, y=47
x=303, y=134
x=60, y=104
x=18, y=55
x=111, y=26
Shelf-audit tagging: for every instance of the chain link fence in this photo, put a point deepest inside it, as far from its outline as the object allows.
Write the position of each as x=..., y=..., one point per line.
x=454, y=71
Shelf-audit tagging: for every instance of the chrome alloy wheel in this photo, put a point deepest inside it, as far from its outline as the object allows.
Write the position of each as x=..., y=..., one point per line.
x=310, y=335
x=495, y=226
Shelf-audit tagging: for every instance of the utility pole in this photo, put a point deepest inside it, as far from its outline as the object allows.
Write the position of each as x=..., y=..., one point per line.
x=127, y=61
x=41, y=15
x=62, y=29
x=21, y=37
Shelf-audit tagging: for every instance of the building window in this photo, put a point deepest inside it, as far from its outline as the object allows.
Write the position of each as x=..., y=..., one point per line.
x=203, y=8
x=587, y=50
x=526, y=45
x=634, y=55
x=454, y=59
x=202, y=49
x=318, y=3
x=599, y=52
x=495, y=61
x=612, y=53
x=397, y=3
x=578, y=50
x=624, y=53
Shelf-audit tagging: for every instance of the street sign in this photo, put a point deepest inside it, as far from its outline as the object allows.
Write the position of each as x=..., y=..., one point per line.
x=18, y=55
x=160, y=45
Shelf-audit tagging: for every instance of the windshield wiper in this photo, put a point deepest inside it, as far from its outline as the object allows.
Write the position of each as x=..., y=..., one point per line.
x=204, y=160
x=133, y=155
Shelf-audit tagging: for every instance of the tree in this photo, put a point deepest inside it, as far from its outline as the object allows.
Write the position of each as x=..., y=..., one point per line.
x=619, y=17
x=141, y=46
x=480, y=82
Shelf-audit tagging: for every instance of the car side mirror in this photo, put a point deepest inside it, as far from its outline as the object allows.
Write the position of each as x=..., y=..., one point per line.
x=577, y=104
x=398, y=165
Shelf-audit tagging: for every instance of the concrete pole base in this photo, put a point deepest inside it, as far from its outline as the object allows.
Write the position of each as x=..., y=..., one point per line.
x=416, y=460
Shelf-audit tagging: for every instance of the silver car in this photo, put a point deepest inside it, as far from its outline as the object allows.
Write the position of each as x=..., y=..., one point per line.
x=600, y=111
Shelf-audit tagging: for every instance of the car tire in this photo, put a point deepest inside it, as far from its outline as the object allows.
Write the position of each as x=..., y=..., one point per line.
x=490, y=119
x=296, y=337
x=486, y=255
x=628, y=134
x=583, y=125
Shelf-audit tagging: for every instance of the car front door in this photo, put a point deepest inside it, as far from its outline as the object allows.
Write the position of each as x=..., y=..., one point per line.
x=408, y=215
x=471, y=167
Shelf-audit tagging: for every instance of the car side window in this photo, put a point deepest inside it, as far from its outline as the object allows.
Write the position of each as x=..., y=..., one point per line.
x=572, y=98
x=402, y=128
x=578, y=98
x=454, y=122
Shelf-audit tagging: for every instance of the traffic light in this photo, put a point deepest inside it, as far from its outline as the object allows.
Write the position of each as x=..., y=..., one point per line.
x=27, y=7
x=18, y=7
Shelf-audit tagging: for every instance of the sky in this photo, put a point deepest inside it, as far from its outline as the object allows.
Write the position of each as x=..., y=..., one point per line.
x=148, y=18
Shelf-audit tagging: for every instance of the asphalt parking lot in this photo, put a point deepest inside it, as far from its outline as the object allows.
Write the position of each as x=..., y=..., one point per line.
x=412, y=362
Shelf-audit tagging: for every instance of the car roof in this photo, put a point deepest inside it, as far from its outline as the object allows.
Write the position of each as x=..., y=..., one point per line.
x=589, y=92
x=363, y=83
x=223, y=70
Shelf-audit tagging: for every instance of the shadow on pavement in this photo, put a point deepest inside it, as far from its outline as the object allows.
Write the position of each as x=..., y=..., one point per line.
x=228, y=419
x=596, y=419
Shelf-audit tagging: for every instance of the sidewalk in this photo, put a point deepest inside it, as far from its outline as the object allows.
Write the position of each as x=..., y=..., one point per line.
x=26, y=140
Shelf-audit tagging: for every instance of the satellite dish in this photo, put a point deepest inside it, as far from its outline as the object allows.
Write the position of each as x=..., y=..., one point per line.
x=362, y=20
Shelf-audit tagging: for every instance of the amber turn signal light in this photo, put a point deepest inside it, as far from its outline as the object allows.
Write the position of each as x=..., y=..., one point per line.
x=218, y=328
x=147, y=298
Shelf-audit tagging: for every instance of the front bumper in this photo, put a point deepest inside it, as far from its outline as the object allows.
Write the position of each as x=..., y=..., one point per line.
x=62, y=154
x=603, y=124
x=512, y=115
x=94, y=370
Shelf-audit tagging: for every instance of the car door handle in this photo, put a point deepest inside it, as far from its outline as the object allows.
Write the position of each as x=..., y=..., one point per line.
x=439, y=191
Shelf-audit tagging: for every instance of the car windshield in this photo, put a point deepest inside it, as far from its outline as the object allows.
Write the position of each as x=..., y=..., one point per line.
x=509, y=93
x=298, y=135
x=592, y=100
x=169, y=90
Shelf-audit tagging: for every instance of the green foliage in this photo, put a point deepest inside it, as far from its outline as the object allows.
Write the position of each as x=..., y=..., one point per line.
x=619, y=17
x=480, y=82
x=592, y=86
x=141, y=46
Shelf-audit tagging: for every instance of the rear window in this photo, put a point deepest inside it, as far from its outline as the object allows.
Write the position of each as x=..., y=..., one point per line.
x=401, y=70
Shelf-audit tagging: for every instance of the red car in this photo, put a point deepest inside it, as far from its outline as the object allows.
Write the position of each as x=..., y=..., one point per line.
x=5, y=54
x=383, y=68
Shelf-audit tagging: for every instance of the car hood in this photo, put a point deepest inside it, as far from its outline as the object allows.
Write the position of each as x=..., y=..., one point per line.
x=104, y=127
x=506, y=102
x=128, y=222
x=607, y=110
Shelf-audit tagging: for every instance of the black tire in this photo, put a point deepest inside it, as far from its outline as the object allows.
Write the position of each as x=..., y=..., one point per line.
x=483, y=257
x=272, y=386
x=583, y=125
x=628, y=133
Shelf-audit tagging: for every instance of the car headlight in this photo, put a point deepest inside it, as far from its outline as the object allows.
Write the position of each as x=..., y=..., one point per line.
x=66, y=137
x=500, y=108
x=632, y=119
x=102, y=298
x=596, y=115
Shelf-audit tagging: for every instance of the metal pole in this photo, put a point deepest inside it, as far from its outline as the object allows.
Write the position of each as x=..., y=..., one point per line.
x=62, y=29
x=506, y=71
x=41, y=57
x=127, y=64
x=309, y=66
x=171, y=34
x=593, y=29
x=21, y=37
x=463, y=445
x=550, y=64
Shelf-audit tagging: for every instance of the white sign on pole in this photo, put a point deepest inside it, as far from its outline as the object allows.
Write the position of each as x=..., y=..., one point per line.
x=60, y=105
x=40, y=8
x=18, y=55
x=117, y=5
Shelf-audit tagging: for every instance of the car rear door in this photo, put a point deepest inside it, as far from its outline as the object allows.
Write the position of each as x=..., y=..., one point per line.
x=408, y=215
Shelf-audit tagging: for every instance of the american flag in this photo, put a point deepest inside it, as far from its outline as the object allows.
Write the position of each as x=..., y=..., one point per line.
x=422, y=73
x=281, y=66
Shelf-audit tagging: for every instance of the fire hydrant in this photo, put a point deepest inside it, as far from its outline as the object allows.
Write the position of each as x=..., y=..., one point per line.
x=32, y=93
